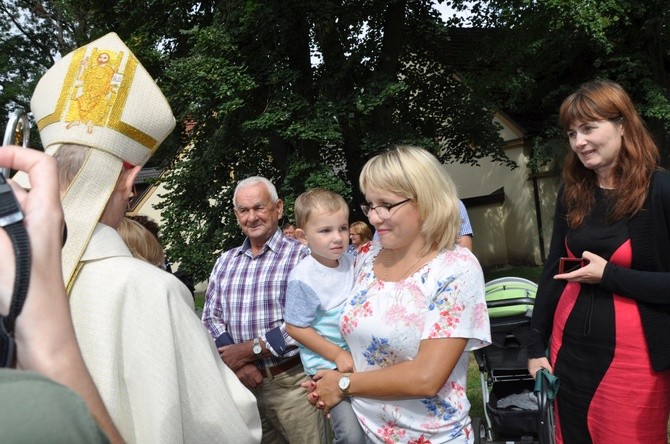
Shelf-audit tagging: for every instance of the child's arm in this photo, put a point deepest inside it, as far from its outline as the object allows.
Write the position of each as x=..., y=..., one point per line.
x=308, y=337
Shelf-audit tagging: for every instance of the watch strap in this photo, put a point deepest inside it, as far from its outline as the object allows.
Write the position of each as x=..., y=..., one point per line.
x=11, y=220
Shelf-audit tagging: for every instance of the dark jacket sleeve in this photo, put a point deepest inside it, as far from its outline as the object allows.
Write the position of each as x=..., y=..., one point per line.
x=549, y=290
x=644, y=286
x=648, y=279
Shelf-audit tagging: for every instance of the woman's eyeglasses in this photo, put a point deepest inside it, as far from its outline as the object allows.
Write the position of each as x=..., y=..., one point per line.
x=383, y=210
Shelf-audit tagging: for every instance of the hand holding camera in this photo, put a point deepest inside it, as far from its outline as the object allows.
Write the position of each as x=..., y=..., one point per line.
x=43, y=221
x=587, y=269
x=44, y=335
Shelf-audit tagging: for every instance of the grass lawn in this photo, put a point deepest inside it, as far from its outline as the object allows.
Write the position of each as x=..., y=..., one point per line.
x=199, y=300
x=532, y=273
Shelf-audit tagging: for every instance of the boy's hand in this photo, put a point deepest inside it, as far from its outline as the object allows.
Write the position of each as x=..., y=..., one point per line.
x=344, y=362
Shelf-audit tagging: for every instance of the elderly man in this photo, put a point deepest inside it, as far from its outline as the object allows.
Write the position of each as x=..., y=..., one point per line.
x=244, y=309
x=155, y=366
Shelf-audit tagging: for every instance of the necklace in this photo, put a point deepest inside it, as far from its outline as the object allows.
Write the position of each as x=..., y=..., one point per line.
x=387, y=266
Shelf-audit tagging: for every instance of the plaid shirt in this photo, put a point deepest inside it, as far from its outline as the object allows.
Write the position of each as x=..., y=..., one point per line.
x=246, y=294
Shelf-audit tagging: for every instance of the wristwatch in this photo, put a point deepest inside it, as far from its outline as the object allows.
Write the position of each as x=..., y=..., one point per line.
x=257, y=349
x=344, y=383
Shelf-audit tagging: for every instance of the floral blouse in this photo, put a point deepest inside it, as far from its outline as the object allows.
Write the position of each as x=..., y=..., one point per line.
x=384, y=322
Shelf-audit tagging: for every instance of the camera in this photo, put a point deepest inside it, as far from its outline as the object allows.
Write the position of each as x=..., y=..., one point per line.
x=570, y=264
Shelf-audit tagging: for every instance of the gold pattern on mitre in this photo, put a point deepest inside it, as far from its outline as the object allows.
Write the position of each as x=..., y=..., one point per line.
x=100, y=96
x=94, y=90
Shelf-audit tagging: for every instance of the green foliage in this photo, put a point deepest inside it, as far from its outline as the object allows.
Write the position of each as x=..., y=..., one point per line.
x=301, y=93
x=305, y=92
x=261, y=105
x=303, y=176
x=537, y=53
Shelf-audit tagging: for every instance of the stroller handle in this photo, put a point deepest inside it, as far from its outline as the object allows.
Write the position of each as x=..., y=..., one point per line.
x=546, y=386
x=510, y=302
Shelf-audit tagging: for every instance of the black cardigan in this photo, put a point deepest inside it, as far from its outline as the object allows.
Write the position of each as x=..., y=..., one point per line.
x=647, y=281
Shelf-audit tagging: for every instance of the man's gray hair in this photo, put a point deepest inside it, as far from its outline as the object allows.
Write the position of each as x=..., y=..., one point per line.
x=255, y=180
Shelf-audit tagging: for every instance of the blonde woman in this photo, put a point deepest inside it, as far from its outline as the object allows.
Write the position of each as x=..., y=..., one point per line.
x=416, y=309
x=141, y=243
x=359, y=235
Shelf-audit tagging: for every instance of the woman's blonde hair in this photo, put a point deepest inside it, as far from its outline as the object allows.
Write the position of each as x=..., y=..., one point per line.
x=416, y=174
x=141, y=242
x=362, y=229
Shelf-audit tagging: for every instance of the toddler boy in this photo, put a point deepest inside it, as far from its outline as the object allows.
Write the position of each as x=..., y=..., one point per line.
x=317, y=289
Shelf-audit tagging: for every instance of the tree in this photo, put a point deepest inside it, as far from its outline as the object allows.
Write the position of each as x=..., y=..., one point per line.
x=31, y=37
x=304, y=93
x=300, y=92
x=35, y=33
x=539, y=52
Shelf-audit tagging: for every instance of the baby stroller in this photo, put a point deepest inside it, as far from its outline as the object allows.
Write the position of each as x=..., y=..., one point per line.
x=516, y=411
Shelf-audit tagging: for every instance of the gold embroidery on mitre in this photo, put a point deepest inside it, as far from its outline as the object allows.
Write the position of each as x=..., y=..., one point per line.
x=94, y=93
x=71, y=74
x=94, y=90
x=115, y=121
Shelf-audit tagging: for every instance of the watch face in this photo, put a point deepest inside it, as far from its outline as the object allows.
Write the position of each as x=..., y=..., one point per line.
x=257, y=349
x=344, y=383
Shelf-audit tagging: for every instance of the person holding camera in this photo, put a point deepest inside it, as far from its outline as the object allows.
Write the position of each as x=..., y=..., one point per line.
x=45, y=345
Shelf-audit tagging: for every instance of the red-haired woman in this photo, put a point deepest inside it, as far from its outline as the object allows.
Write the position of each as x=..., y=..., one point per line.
x=607, y=324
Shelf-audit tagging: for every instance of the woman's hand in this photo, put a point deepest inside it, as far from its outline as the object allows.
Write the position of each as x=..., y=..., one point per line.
x=535, y=364
x=323, y=390
x=591, y=273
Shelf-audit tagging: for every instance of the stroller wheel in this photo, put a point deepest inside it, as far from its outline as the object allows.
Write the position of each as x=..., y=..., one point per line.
x=479, y=429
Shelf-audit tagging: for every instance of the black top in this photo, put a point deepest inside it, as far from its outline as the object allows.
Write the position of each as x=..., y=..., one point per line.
x=647, y=281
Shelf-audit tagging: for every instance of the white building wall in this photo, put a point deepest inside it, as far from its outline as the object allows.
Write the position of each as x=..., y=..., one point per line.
x=507, y=233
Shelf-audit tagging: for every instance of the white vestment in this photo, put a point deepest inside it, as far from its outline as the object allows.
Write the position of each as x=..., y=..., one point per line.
x=155, y=365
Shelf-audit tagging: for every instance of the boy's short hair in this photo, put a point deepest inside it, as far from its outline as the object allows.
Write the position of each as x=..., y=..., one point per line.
x=317, y=199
